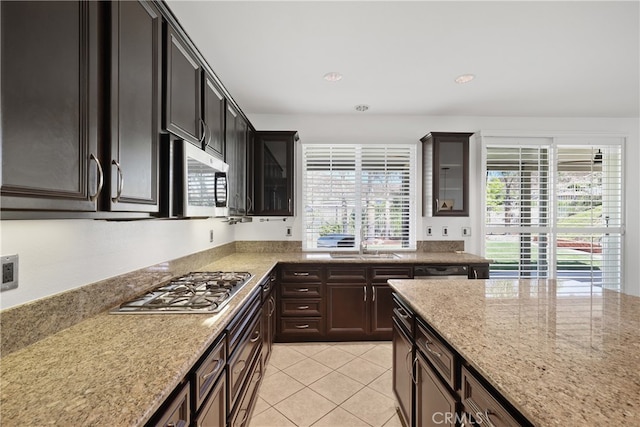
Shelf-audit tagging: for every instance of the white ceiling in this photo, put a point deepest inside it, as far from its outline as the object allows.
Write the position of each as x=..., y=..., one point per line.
x=551, y=59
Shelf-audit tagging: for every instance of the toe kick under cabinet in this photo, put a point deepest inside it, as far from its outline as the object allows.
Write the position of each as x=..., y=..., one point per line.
x=434, y=385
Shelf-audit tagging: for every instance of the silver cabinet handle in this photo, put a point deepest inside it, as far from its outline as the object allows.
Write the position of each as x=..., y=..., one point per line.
x=249, y=204
x=365, y=292
x=257, y=334
x=479, y=413
x=374, y=294
x=100, y=178
x=202, y=138
x=414, y=368
x=402, y=313
x=406, y=364
x=302, y=326
x=300, y=273
x=272, y=301
x=426, y=345
x=242, y=363
x=303, y=289
x=215, y=370
x=475, y=273
x=120, y=181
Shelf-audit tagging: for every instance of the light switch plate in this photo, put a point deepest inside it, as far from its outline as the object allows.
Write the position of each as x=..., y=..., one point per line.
x=429, y=230
x=466, y=231
x=9, y=272
x=445, y=231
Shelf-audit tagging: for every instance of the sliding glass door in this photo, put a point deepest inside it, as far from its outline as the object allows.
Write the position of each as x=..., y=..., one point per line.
x=553, y=208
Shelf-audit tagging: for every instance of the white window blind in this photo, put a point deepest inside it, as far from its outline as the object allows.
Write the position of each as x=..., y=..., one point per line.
x=355, y=193
x=554, y=209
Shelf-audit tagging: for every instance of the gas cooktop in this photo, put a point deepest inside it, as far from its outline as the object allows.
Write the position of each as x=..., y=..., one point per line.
x=197, y=292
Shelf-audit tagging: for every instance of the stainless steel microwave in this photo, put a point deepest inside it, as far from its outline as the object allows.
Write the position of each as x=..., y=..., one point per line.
x=201, y=186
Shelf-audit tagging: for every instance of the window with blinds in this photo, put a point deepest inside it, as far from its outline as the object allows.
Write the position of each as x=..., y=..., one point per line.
x=553, y=209
x=355, y=194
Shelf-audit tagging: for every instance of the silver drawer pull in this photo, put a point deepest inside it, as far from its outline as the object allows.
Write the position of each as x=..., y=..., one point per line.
x=257, y=333
x=301, y=326
x=402, y=313
x=302, y=289
x=303, y=307
x=426, y=346
x=479, y=413
x=298, y=273
x=215, y=370
x=243, y=363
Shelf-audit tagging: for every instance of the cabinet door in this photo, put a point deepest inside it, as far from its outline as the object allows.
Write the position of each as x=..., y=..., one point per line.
x=49, y=91
x=435, y=404
x=214, y=410
x=273, y=190
x=403, y=373
x=449, y=156
x=136, y=55
x=236, y=157
x=183, y=75
x=177, y=411
x=381, y=310
x=347, y=310
x=214, y=115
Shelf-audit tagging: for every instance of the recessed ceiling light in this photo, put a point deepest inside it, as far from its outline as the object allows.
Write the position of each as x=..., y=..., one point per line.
x=464, y=78
x=362, y=107
x=333, y=76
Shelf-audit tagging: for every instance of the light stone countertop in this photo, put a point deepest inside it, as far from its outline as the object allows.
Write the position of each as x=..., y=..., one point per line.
x=563, y=353
x=118, y=369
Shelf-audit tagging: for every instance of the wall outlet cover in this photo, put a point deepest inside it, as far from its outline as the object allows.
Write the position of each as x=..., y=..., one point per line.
x=466, y=231
x=429, y=230
x=9, y=272
x=445, y=231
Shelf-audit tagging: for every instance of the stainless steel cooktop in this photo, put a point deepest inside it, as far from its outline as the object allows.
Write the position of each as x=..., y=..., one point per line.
x=197, y=292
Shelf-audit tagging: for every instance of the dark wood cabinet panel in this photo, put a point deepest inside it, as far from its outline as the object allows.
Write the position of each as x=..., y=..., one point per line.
x=213, y=114
x=435, y=405
x=381, y=310
x=236, y=158
x=136, y=61
x=177, y=410
x=214, y=411
x=273, y=172
x=50, y=118
x=446, y=160
x=183, y=92
x=346, y=310
x=402, y=380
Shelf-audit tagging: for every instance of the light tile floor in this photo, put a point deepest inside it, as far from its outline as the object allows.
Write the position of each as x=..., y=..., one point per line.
x=327, y=384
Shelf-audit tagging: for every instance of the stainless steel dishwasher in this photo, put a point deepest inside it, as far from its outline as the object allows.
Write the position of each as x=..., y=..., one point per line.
x=457, y=272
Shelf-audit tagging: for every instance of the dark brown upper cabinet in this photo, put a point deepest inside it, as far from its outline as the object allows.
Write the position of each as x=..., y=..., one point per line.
x=136, y=61
x=50, y=158
x=236, y=158
x=213, y=114
x=273, y=172
x=448, y=154
x=183, y=90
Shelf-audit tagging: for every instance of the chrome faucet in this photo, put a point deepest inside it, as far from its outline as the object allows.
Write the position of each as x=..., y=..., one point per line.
x=363, y=245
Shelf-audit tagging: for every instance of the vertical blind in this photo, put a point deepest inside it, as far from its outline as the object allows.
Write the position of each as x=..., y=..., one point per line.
x=554, y=209
x=356, y=193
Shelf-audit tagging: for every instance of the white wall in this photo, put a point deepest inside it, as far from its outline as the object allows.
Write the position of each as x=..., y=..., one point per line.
x=366, y=128
x=58, y=255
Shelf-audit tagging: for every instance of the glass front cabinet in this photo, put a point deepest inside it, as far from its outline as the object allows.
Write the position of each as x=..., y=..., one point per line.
x=448, y=155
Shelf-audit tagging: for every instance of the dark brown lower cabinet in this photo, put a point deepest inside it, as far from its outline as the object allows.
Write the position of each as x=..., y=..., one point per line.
x=214, y=411
x=177, y=411
x=381, y=310
x=435, y=404
x=241, y=414
x=346, y=310
x=403, y=373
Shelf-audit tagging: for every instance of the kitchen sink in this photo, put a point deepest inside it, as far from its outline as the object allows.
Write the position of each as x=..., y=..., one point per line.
x=338, y=255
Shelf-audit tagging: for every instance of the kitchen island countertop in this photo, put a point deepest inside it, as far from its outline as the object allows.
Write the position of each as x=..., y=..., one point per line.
x=563, y=353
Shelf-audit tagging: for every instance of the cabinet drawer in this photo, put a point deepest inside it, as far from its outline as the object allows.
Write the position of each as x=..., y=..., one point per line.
x=239, y=324
x=480, y=404
x=437, y=353
x=301, y=273
x=384, y=273
x=301, y=290
x=177, y=412
x=242, y=412
x=240, y=360
x=403, y=315
x=302, y=326
x=350, y=274
x=207, y=373
x=301, y=307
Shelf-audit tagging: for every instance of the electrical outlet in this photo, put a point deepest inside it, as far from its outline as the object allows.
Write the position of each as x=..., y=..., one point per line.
x=429, y=230
x=288, y=233
x=9, y=272
x=210, y=236
x=445, y=231
x=466, y=231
